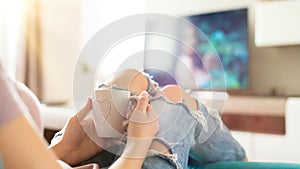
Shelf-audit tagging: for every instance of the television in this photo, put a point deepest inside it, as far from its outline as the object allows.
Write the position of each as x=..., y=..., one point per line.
x=227, y=33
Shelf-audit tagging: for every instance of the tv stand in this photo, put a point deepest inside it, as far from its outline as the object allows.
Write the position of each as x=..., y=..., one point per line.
x=262, y=114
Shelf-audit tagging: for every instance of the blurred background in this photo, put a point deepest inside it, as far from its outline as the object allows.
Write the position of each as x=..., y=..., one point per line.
x=41, y=40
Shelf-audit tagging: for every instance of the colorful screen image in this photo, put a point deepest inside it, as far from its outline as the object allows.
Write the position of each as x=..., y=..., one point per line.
x=227, y=32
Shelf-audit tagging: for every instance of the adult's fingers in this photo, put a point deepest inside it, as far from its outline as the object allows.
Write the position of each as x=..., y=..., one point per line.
x=125, y=123
x=85, y=110
x=145, y=117
x=142, y=102
x=151, y=114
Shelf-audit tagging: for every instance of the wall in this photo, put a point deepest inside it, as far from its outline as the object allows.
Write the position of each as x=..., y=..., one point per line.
x=66, y=28
x=60, y=29
x=272, y=69
x=12, y=38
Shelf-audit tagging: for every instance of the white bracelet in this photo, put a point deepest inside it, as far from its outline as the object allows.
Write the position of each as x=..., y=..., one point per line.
x=137, y=147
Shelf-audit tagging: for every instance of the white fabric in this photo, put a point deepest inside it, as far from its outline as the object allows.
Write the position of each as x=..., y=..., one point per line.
x=63, y=164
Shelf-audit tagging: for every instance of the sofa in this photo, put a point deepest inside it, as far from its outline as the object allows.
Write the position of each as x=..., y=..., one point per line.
x=246, y=165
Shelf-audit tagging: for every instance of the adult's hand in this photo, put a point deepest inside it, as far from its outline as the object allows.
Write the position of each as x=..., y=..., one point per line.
x=75, y=145
x=143, y=121
x=142, y=127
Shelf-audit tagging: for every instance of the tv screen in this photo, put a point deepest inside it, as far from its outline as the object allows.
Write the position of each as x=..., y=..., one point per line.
x=227, y=32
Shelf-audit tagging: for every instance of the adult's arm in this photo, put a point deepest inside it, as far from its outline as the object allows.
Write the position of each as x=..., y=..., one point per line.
x=20, y=145
x=74, y=146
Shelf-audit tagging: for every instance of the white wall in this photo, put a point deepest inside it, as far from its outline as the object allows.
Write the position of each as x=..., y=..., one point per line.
x=270, y=68
x=66, y=27
x=12, y=38
x=60, y=29
x=268, y=31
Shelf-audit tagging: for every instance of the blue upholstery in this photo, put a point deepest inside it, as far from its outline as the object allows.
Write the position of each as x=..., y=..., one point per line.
x=246, y=165
x=1, y=165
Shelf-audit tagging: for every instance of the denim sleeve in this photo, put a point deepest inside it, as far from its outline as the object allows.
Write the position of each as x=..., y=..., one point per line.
x=215, y=144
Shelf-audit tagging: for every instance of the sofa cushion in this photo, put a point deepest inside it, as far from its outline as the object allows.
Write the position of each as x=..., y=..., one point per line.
x=250, y=165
